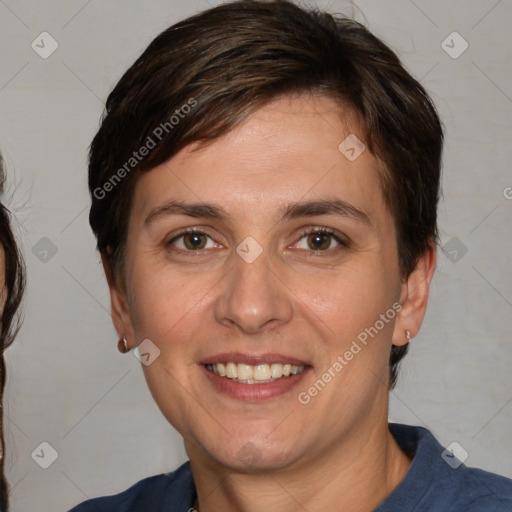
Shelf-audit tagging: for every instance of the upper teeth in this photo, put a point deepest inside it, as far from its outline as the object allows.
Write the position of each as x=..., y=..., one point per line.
x=249, y=373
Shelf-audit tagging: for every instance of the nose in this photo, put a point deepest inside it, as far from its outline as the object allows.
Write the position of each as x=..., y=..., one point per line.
x=253, y=299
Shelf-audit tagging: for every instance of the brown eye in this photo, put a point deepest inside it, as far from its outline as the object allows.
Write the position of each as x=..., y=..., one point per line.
x=192, y=241
x=319, y=241
x=195, y=241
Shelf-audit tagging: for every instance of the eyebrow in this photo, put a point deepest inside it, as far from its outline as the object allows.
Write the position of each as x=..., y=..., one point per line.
x=293, y=211
x=326, y=207
x=203, y=210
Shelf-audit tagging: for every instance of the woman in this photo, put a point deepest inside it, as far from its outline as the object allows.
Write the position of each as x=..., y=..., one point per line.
x=12, y=281
x=264, y=190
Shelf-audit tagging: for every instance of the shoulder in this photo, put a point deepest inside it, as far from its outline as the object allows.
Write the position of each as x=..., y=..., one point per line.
x=152, y=494
x=483, y=491
x=438, y=481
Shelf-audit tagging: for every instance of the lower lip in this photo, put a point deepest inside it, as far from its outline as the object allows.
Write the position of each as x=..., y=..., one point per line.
x=254, y=392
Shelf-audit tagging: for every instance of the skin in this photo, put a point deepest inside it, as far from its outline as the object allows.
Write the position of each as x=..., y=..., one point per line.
x=335, y=453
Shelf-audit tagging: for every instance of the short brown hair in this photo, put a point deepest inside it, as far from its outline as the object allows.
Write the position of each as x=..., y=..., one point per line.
x=234, y=58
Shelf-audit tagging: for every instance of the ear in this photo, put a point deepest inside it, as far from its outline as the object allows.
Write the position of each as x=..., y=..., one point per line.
x=118, y=303
x=414, y=297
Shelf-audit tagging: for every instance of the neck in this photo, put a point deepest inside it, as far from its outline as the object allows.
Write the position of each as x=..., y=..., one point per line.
x=356, y=474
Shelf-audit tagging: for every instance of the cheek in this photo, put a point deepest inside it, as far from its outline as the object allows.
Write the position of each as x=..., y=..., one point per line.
x=169, y=309
x=346, y=300
x=163, y=301
x=346, y=310
x=168, y=385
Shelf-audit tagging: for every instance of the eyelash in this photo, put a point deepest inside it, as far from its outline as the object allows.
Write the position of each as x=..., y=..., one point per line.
x=342, y=241
x=184, y=232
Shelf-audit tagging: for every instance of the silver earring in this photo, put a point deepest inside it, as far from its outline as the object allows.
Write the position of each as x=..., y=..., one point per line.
x=122, y=345
x=408, y=335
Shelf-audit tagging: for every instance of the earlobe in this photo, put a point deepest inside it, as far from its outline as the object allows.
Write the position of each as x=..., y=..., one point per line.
x=118, y=304
x=122, y=345
x=414, y=298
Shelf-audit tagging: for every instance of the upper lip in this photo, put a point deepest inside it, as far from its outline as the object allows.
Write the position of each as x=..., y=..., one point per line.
x=253, y=359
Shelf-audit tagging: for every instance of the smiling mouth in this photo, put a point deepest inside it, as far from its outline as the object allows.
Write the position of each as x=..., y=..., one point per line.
x=254, y=374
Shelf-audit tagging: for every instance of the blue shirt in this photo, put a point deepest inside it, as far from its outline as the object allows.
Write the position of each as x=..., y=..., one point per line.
x=435, y=482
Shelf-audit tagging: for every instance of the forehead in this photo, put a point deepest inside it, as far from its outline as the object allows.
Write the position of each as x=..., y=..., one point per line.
x=289, y=150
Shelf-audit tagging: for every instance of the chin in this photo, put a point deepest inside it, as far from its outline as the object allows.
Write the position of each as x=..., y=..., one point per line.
x=251, y=458
x=245, y=454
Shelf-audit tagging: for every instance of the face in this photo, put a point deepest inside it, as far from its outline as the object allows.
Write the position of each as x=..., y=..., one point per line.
x=266, y=252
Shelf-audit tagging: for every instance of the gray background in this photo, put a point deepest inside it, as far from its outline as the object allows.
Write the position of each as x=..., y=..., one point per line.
x=67, y=384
